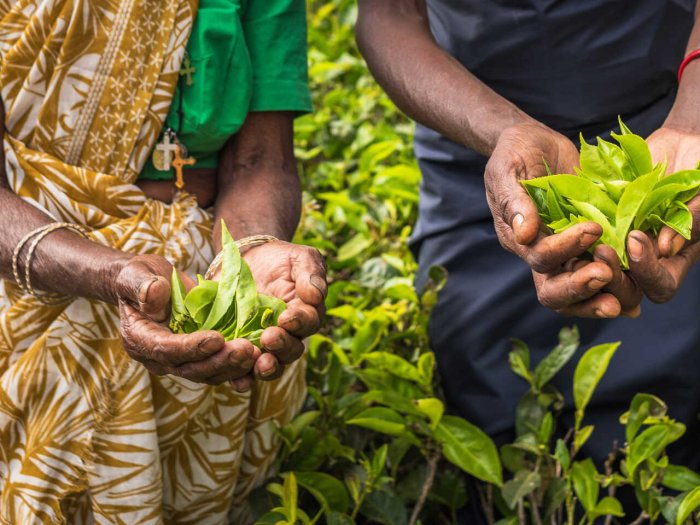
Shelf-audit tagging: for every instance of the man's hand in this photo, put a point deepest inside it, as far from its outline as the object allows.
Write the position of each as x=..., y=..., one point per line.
x=563, y=282
x=297, y=275
x=659, y=266
x=143, y=291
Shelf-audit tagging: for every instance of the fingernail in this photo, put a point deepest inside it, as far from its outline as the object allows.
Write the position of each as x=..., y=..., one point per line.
x=292, y=324
x=635, y=249
x=677, y=244
x=587, y=239
x=320, y=284
x=209, y=344
x=268, y=372
x=143, y=290
x=518, y=220
x=596, y=284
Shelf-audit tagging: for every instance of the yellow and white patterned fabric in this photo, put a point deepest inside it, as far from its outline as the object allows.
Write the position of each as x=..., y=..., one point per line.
x=86, y=434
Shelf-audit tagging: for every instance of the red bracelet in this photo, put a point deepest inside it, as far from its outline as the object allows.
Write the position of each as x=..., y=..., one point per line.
x=691, y=56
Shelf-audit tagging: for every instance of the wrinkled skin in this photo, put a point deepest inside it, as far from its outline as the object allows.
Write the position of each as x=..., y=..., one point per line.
x=564, y=283
x=293, y=273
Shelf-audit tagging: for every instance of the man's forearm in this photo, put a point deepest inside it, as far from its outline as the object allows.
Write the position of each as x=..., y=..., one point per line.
x=424, y=81
x=685, y=114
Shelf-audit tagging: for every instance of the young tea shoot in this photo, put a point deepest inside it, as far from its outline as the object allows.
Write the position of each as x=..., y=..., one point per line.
x=619, y=188
x=231, y=305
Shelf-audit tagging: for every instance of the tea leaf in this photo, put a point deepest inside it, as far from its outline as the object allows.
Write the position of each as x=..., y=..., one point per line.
x=585, y=485
x=558, y=357
x=230, y=271
x=466, y=446
x=690, y=503
x=328, y=491
x=525, y=482
x=588, y=374
x=680, y=478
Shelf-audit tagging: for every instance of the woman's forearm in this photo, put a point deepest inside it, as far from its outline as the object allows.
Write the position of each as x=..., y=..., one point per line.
x=259, y=188
x=63, y=261
x=424, y=81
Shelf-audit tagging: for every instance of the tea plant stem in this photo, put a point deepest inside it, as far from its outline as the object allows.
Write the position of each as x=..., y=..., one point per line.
x=433, y=461
x=536, y=519
x=608, y=472
x=521, y=513
x=641, y=518
x=486, y=501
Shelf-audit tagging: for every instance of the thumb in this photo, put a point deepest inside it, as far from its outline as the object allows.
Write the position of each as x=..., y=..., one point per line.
x=144, y=289
x=309, y=275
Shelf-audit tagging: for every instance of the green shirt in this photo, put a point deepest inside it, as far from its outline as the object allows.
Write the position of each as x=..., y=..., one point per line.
x=248, y=55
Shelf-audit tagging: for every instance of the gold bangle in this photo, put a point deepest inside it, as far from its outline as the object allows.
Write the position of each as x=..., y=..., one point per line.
x=36, y=236
x=241, y=243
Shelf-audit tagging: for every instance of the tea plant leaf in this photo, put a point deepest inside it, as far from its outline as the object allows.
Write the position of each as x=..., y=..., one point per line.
x=380, y=419
x=631, y=201
x=384, y=507
x=680, y=478
x=519, y=359
x=525, y=482
x=433, y=408
x=466, y=446
x=328, y=491
x=586, y=487
x=641, y=407
x=199, y=300
x=647, y=445
x=589, y=372
x=637, y=152
x=608, y=506
x=689, y=505
x=228, y=282
x=561, y=453
x=557, y=358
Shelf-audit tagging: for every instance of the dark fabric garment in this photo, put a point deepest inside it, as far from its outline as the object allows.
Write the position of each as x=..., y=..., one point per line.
x=574, y=65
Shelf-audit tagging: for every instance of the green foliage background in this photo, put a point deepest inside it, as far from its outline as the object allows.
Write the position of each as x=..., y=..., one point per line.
x=371, y=362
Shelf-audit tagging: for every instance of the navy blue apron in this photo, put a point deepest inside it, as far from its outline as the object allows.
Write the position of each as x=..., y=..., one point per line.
x=574, y=65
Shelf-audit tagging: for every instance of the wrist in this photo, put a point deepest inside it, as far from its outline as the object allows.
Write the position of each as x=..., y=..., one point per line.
x=105, y=286
x=685, y=113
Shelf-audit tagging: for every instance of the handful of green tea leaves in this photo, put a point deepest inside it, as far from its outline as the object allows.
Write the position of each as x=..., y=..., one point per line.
x=618, y=187
x=231, y=306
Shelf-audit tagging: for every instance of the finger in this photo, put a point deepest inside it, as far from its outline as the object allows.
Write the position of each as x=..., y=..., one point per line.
x=633, y=312
x=658, y=283
x=235, y=360
x=601, y=306
x=568, y=288
x=300, y=319
x=621, y=286
x=671, y=242
x=550, y=252
x=243, y=384
x=309, y=274
x=510, y=203
x=267, y=367
x=142, y=287
x=146, y=340
x=282, y=344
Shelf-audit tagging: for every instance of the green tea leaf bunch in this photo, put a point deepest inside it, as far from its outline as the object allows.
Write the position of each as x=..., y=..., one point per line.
x=231, y=306
x=619, y=188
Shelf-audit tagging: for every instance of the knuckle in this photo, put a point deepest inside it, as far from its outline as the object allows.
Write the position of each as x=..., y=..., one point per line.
x=537, y=261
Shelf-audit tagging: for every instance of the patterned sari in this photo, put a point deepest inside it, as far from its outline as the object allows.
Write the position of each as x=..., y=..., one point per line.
x=86, y=434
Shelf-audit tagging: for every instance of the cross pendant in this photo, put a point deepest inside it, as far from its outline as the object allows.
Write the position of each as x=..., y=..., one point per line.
x=178, y=163
x=187, y=70
x=167, y=148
